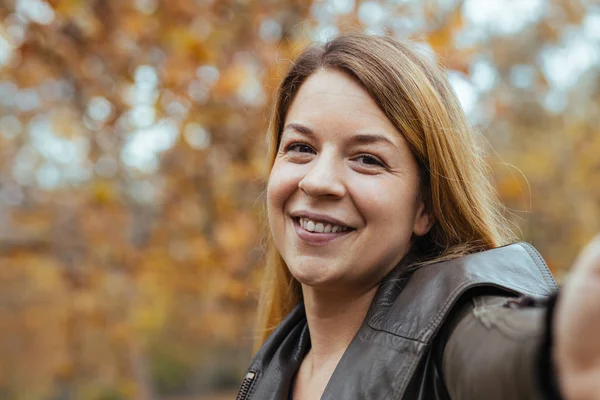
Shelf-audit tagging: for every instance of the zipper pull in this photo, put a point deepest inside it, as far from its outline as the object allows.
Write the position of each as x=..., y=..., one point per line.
x=246, y=385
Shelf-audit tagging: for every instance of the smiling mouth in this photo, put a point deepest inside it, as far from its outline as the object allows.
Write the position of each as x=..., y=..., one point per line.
x=318, y=232
x=320, y=226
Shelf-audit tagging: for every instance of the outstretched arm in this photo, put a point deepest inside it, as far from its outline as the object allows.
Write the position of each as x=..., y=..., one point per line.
x=506, y=349
x=494, y=350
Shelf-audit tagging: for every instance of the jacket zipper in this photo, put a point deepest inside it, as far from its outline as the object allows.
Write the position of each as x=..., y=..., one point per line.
x=246, y=386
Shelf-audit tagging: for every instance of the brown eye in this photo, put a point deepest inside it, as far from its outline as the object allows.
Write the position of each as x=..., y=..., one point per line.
x=370, y=160
x=300, y=148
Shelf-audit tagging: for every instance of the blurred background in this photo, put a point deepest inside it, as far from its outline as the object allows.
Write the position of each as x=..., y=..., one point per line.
x=132, y=167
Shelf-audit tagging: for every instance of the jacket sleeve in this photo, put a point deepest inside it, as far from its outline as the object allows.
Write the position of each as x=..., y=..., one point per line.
x=499, y=348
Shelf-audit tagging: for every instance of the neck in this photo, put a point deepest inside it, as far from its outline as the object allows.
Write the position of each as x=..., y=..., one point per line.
x=333, y=320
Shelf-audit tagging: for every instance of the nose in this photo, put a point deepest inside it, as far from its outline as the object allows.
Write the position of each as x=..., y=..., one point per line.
x=324, y=177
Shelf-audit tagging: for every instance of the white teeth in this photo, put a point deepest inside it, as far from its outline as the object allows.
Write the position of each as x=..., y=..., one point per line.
x=320, y=227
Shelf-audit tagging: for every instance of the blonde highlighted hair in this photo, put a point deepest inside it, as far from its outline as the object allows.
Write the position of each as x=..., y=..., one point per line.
x=416, y=97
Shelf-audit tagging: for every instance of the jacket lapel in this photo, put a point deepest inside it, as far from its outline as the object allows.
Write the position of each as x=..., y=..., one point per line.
x=396, y=336
x=279, y=358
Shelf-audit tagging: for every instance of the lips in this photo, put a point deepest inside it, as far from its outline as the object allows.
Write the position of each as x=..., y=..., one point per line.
x=321, y=226
x=314, y=237
x=319, y=218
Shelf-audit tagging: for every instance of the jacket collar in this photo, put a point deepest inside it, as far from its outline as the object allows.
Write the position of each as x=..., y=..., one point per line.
x=419, y=302
x=406, y=313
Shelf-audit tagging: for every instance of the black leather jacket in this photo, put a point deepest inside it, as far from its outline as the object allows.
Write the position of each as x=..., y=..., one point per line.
x=452, y=330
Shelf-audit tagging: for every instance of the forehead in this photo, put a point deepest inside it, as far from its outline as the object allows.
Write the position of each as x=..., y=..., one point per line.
x=330, y=101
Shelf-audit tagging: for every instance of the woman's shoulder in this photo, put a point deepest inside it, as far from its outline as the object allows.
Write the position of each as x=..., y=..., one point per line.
x=495, y=342
x=432, y=293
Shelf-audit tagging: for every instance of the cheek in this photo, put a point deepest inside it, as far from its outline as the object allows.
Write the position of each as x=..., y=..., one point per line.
x=388, y=204
x=283, y=182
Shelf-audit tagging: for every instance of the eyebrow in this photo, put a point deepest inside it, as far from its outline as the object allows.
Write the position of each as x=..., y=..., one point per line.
x=359, y=138
x=305, y=130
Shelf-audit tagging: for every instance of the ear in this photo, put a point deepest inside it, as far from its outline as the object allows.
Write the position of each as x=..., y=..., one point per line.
x=423, y=220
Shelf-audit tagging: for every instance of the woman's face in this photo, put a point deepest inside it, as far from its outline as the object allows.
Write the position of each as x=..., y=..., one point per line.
x=343, y=198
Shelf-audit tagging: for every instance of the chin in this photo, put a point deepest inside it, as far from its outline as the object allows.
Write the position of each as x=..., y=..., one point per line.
x=312, y=274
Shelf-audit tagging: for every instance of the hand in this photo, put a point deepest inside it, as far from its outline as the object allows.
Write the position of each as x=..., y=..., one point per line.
x=577, y=328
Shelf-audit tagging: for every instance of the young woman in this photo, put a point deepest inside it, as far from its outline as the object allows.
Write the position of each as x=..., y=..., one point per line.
x=391, y=273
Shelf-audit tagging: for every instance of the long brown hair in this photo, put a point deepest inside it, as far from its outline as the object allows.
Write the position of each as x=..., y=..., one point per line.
x=416, y=97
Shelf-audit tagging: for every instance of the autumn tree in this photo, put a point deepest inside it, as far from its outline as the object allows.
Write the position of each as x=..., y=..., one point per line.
x=132, y=167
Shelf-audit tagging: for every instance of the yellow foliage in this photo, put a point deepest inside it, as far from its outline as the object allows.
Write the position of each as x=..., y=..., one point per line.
x=155, y=235
x=441, y=38
x=103, y=192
